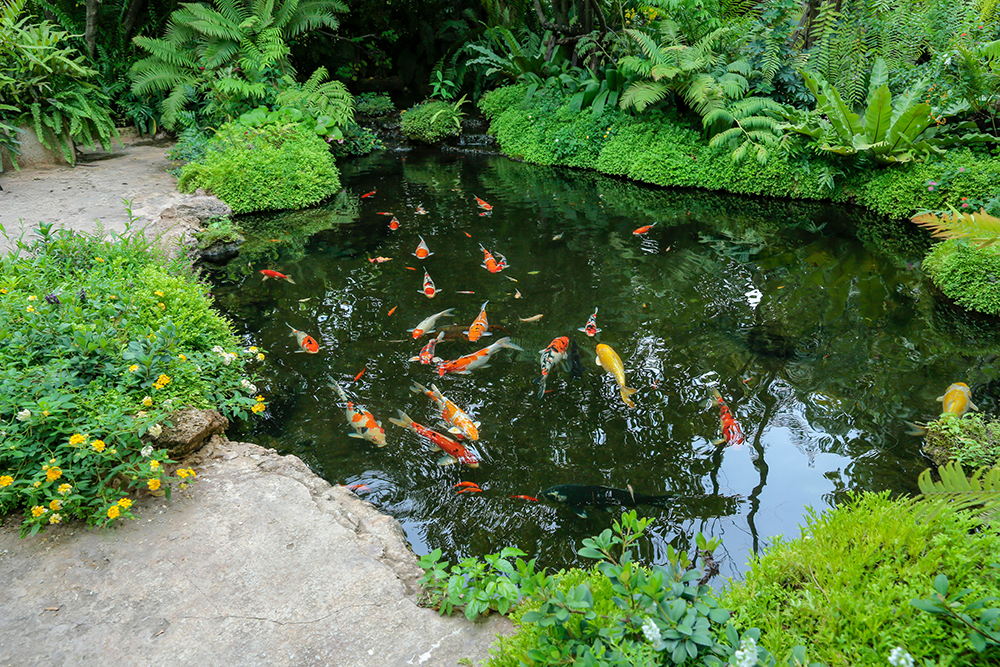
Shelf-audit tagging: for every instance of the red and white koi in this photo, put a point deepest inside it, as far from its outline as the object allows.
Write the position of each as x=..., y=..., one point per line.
x=478, y=359
x=642, y=230
x=490, y=264
x=379, y=260
x=428, y=289
x=590, y=328
x=421, y=210
x=422, y=251
x=362, y=421
x=554, y=354
x=426, y=355
x=480, y=327
x=304, y=340
x=394, y=224
x=462, y=424
x=454, y=451
x=427, y=324
x=268, y=273
x=369, y=194
x=732, y=434
x=483, y=204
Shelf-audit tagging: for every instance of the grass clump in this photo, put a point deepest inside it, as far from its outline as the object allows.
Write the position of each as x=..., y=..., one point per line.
x=972, y=441
x=218, y=230
x=967, y=274
x=272, y=167
x=433, y=121
x=100, y=342
x=374, y=105
x=845, y=586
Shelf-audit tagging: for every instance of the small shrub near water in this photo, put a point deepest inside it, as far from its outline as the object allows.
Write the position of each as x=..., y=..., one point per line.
x=100, y=341
x=431, y=122
x=972, y=440
x=374, y=105
x=966, y=273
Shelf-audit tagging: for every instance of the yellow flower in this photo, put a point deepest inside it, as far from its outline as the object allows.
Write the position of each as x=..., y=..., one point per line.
x=32, y=298
x=252, y=349
x=133, y=368
x=258, y=408
x=192, y=472
x=99, y=259
x=31, y=309
x=113, y=512
x=52, y=474
x=182, y=357
x=125, y=503
x=45, y=413
x=76, y=439
x=38, y=511
x=154, y=465
x=56, y=504
x=260, y=356
x=98, y=445
x=55, y=518
x=65, y=488
x=36, y=484
x=260, y=399
x=147, y=401
x=162, y=305
x=6, y=480
x=158, y=293
x=3, y=291
x=112, y=297
x=182, y=473
x=153, y=484
x=162, y=381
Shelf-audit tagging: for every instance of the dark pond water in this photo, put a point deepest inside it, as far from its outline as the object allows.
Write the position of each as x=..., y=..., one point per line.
x=813, y=322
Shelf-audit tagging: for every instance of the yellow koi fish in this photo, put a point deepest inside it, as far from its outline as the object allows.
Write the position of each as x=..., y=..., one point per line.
x=609, y=360
x=462, y=424
x=957, y=399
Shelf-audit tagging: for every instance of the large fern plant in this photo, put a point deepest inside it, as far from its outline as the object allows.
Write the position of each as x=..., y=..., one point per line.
x=46, y=85
x=226, y=59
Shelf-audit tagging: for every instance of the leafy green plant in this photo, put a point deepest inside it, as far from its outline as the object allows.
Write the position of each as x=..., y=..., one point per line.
x=375, y=105
x=972, y=440
x=272, y=166
x=955, y=492
x=982, y=623
x=101, y=341
x=433, y=121
x=981, y=227
x=967, y=274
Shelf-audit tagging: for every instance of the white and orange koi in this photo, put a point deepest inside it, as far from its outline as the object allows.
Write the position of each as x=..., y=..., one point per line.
x=421, y=210
x=555, y=353
x=426, y=325
x=454, y=451
x=426, y=355
x=732, y=434
x=362, y=421
x=490, y=264
x=462, y=424
x=428, y=289
x=422, y=251
x=478, y=359
x=480, y=327
x=590, y=328
x=483, y=204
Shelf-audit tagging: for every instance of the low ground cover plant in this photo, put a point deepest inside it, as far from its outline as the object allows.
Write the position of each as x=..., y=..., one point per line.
x=101, y=340
x=432, y=121
x=375, y=105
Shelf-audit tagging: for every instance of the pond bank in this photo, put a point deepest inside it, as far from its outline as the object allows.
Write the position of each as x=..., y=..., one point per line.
x=259, y=562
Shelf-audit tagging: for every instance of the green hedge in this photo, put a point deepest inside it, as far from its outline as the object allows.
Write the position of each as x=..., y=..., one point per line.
x=967, y=274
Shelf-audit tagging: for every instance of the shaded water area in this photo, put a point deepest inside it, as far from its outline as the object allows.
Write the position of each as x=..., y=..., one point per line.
x=812, y=321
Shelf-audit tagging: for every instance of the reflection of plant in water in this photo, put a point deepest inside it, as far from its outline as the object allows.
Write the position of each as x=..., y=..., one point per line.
x=736, y=244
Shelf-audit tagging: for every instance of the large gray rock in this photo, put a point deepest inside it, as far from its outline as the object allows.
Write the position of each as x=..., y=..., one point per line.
x=259, y=562
x=191, y=429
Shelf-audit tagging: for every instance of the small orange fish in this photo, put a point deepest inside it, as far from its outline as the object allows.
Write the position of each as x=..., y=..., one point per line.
x=491, y=264
x=468, y=234
x=382, y=213
x=428, y=289
x=358, y=376
x=268, y=273
x=379, y=260
x=305, y=341
x=531, y=498
x=461, y=484
x=394, y=223
x=393, y=310
x=411, y=268
x=482, y=204
x=421, y=210
x=426, y=355
x=464, y=291
x=454, y=451
x=484, y=213
x=369, y=194
x=642, y=230
x=480, y=327
x=732, y=434
x=359, y=487
x=275, y=240
x=422, y=251
x=470, y=489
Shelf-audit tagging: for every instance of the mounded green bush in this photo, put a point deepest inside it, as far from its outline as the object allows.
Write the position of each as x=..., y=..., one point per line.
x=375, y=105
x=972, y=441
x=267, y=168
x=844, y=587
x=966, y=273
x=498, y=100
x=431, y=122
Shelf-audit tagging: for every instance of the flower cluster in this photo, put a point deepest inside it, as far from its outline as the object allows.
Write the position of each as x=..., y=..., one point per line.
x=227, y=357
x=161, y=382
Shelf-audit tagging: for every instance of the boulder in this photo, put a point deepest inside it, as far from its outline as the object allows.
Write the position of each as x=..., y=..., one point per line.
x=191, y=429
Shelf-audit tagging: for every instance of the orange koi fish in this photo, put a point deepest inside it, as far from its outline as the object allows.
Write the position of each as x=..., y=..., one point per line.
x=427, y=324
x=268, y=273
x=482, y=204
x=462, y=484
x=491, y=264
x=421, y=210
x=358, y=376
x=590, y=328
x=478, y=359
x=422, y=251
x=464, y=291
x=732, y=434
x=411, y=268
x=484, y=213
x=957, y=399
x=359, y=487
x=393, y=310
x=394, y=223
x=470, y=489
x=426, y=355
x=480, y=327
x=642, y=230
x=468, y=234
x=382, y=213
x=531, y=498
x=428, y=290
x=361, y=421
x=462, y=424
x=379, y=260
x=454, y=451
x=554, y=354
x=369, y=194
x=305, y=341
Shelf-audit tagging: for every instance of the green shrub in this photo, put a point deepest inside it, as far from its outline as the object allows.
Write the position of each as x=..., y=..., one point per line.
x=844, y=587
x=496, y=101
x=431, y=122
x=100, y=341
x=967, y=274
x=375, y=105
x=273, y=167
x=218, y=230
x=972, y=441
x=625, y=144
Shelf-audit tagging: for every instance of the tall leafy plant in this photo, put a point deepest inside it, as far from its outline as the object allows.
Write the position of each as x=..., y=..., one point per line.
x=229, y=58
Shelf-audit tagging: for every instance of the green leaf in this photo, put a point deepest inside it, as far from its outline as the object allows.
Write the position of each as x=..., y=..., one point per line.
x=928, y=606
x=941, y=584
x=878, y=114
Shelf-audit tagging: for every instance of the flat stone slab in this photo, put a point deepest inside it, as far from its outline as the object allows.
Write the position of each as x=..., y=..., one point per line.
x=260, y=562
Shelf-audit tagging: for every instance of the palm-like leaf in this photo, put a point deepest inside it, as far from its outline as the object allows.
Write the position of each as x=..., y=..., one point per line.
x=956, y=492
x=981, y=227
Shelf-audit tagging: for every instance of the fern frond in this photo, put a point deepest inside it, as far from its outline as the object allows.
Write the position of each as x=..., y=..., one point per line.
x=641, y=94
x=956, y=492
x=981, y=227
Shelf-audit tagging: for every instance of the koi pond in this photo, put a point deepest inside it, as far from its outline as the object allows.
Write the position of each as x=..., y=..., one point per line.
x=812, y=321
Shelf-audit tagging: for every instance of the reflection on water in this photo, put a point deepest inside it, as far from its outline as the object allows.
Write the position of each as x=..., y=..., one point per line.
x=820, y=343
